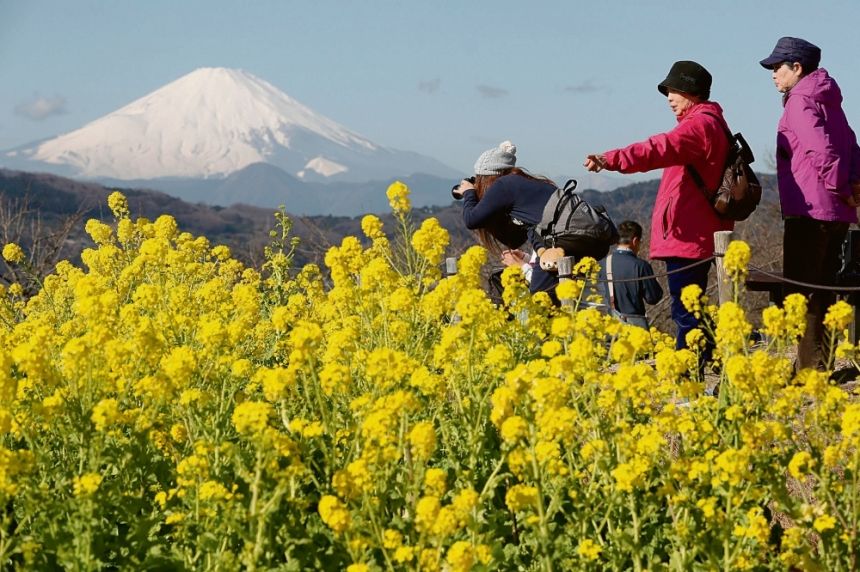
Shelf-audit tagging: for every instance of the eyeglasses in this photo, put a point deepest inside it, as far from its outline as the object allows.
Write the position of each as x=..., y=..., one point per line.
x=775, y=67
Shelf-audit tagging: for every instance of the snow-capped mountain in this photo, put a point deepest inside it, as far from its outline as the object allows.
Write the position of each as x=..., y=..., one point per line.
x=213, y=122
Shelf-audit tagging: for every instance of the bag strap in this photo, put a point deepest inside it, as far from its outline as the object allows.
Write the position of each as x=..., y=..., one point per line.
x=697, y=178
x=610, y=286
x=567, y=196
x=694, y=174
x=722, y=123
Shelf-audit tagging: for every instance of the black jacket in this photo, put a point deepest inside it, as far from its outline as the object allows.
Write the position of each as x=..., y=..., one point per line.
x=509, y=209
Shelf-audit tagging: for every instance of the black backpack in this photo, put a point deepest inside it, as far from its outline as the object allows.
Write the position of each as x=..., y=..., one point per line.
x=739, y=191
x=570, y=223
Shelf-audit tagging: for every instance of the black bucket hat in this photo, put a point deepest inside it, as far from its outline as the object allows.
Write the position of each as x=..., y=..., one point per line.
x=687, y=77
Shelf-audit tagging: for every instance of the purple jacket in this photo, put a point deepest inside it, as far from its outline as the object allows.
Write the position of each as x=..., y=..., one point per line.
x=817, y=157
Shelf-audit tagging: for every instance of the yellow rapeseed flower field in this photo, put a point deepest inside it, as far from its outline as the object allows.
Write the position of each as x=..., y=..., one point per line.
x=166, y=407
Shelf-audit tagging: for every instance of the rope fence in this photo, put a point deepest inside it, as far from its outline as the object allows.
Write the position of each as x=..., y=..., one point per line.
x=721, y=241
x=566, y=264
x=643, y=278
x=807, y=285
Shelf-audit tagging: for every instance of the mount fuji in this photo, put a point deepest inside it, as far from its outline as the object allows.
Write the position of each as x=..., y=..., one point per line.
x=210, y=125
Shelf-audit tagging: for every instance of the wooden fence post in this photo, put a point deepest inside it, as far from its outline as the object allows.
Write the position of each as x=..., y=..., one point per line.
x=722, y=238
x=450, y=266
x=565, y=269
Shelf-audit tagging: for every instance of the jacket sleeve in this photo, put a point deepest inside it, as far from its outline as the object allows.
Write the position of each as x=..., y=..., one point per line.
x=680, y=146
x=855, y=160
x=810, y=126
x=855, y=164
x=652, y=291
x=535, y=239
x=476, y=214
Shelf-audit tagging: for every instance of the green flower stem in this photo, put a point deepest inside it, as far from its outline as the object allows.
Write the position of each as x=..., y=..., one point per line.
x=255, y=485
x=637, y=542
x=834, y=504
x=855, y=511
x=320, y=399
x=378, y=530
x=490, y=484
x=314, y=396
x=738, y=546
x=7, y=542
x=543, y=536
x=680, y=563
x=449, y=443
x=727, y=533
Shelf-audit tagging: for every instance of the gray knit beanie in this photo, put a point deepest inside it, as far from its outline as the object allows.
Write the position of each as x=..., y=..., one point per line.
x=496, y=160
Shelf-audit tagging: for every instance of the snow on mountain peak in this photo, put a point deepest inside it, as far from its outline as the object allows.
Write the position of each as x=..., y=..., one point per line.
x=210, y=122
x=322, y=166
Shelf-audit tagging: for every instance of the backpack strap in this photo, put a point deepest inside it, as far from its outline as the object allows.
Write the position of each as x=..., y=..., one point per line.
x=567, y=196
x=697, y=178
x=610, y=286
x=694, y=174
x=722, y=123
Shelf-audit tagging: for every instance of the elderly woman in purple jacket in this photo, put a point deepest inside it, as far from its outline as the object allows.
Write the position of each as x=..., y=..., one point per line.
x=818, y=172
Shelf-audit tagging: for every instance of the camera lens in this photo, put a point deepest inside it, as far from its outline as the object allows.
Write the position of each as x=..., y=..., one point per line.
x=456, y=188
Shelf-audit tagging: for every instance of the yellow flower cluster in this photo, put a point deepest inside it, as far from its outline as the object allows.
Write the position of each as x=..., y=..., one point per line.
x=839, y=316
x=334, y=514
x=736, y=260
x=398, y=198
x=430, y=241
x=87, y=484
x=13, y=253
x=251, y=417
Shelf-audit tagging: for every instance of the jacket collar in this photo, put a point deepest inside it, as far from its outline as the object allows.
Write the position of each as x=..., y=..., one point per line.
x=702, y=107
x=817, y=85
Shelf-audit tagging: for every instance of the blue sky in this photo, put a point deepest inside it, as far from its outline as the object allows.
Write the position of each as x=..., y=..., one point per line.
x=445, y=78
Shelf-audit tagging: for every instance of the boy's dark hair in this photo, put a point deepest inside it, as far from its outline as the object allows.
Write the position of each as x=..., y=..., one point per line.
x=628, y=230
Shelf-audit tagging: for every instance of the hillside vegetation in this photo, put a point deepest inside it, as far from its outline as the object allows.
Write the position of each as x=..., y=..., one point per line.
x=60, y=203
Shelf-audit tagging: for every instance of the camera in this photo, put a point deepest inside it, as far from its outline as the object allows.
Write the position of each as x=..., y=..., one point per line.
x=456, y=188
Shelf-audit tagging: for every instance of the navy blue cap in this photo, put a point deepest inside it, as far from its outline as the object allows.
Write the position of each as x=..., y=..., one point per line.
x=793, y=50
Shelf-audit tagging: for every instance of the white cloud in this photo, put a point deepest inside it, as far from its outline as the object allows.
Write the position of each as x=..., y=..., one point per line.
x=40, y=107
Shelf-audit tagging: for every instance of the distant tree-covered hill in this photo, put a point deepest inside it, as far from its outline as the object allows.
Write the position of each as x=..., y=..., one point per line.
x=36, y=209
x=35, y=206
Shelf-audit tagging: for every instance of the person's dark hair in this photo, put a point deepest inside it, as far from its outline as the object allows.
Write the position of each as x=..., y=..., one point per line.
x=628, y=230
x=807, y=68
x=482, y=184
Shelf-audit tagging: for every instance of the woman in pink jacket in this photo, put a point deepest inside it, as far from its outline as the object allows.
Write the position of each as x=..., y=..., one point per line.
x=683, y=221
x=818, y=172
